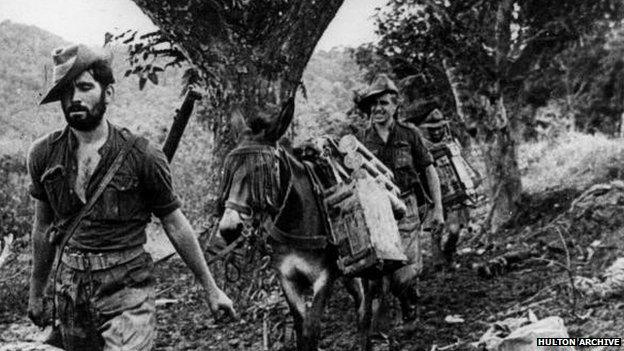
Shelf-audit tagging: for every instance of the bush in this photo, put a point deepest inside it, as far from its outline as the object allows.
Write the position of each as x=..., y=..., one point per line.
x=574, y=160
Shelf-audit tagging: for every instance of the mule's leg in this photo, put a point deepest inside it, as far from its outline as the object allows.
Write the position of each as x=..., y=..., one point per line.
x=364, y=324
x=306, y=285
x=373, y=291
x=297, y=304
x=355, y=288
x=312, y=320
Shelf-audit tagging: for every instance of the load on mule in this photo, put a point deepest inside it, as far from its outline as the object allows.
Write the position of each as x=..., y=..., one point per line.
x=265, y=187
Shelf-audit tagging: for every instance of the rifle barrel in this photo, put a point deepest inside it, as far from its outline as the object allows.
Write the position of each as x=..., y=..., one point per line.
x=179, y=124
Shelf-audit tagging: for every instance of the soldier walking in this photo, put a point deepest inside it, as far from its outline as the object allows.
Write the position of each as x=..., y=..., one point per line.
x=96, y=186
x=401, y=148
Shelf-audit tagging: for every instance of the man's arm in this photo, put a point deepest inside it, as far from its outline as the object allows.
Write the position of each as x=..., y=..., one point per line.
x=436, y=193
x=43, y=257
x=183, y=238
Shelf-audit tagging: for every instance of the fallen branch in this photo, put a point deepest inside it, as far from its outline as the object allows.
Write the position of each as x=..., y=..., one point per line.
x=265, y=333
x=569, y=269
x=6, y=250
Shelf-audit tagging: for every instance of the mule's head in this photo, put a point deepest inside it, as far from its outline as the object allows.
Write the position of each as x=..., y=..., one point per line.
x=252, y=176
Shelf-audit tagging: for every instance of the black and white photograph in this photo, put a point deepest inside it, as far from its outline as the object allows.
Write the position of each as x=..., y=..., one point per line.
x=311, y=175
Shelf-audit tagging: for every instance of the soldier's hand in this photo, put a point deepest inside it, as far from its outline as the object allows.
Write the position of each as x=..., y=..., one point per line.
x=36, y=311
x=221, y=305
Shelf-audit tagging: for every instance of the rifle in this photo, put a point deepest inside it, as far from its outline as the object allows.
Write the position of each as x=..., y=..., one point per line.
x=183, y=114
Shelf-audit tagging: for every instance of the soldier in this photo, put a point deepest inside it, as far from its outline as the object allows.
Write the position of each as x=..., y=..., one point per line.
x=436, y=131
x=401, y=149
x=105, y=295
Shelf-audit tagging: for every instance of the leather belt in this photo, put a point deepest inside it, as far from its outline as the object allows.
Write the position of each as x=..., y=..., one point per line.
x=92, y=261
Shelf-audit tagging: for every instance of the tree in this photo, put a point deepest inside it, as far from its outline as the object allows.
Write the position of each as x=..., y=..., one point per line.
x=249, y=55
x=593, y=80
x=488, y=51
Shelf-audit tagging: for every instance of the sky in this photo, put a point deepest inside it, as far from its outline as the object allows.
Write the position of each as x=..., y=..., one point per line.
x=86, y=21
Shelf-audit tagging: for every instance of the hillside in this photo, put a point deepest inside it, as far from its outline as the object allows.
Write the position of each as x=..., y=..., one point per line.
x=24, y=68
x=329, y=79
x=25, y=72
x=25, y=48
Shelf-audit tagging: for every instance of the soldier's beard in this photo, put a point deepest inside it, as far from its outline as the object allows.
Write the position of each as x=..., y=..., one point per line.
x=83, y=119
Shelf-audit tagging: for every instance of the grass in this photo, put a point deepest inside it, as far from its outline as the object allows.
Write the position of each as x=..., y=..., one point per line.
x=574, y=160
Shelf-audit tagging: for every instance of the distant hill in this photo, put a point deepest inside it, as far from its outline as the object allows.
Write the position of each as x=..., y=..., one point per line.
x=24, y=49
x=330, y=79
x=25, y=74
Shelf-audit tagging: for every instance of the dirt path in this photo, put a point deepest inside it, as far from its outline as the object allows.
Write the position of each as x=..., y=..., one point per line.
x=185, y=324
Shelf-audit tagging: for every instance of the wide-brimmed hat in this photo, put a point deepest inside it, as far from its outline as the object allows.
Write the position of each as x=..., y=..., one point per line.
x=382, y=84
x=70, y=62
x=435, y=119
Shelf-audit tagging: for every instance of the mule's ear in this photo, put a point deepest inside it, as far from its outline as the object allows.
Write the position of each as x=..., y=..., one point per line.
x=281, y=123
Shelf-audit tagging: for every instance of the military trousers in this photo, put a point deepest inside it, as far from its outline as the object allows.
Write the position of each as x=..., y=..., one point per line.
x=108, y=309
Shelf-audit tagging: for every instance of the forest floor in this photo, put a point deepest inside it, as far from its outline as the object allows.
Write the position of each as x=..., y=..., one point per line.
x=541, y=285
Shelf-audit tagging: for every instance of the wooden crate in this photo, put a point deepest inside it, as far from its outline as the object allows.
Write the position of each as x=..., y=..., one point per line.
x=457, y=182
x=363, y=228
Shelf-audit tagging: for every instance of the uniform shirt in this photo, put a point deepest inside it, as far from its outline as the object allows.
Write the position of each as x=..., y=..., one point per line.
x=141, y=186
x=404, y=153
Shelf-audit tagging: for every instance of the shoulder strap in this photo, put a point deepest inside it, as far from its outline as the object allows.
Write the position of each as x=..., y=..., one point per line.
x=71, y=229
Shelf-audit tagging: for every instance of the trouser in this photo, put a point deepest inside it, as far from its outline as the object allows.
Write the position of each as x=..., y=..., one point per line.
x=108, y=309
x=456, y=220
x=403, y=283
x=409, y=228
x=404, y=279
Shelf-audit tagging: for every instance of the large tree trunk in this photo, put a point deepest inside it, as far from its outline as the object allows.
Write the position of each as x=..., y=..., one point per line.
x=486, y=114
x=252, y=53
x=501, y=162
x=487, y=117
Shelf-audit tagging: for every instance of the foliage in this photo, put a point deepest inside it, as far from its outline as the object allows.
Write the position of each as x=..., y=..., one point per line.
x=248, y=55
x=572, y=160
x=326, y=103
x=590, y=79
x=510, y=42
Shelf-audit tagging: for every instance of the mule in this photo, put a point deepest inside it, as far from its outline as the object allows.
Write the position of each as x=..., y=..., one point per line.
x=264, y=185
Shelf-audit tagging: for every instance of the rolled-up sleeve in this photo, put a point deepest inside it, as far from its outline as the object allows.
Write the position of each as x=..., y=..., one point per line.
x=36, y=166
x=157, y=183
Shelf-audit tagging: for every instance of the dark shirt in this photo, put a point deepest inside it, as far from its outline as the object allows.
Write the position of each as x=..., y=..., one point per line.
x=404, y=153
x=141, y=186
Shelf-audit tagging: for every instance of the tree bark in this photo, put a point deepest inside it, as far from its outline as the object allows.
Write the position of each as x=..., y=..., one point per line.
x=501, y=163
x=252, y=53
x=488, y=117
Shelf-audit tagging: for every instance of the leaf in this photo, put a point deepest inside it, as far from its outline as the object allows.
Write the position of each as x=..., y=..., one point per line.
x=153, y=77
x=128, y=72
x=142, y=81
x=108, y=37
x=127, y=41
x=150, y=34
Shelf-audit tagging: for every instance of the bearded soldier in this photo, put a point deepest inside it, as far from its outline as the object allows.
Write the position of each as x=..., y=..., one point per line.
x=401, y=148
x=96, y=186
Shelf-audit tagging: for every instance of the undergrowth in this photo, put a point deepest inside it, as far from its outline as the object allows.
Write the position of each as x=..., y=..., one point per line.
x=573, y=160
